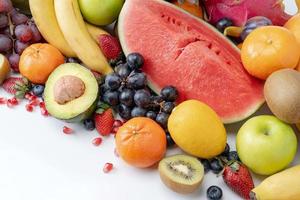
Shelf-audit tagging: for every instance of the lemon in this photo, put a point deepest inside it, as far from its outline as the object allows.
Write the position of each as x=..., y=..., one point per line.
x=197, y=129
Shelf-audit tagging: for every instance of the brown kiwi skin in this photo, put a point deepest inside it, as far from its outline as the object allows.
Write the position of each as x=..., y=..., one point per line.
x=179, y=188
x=282, y=93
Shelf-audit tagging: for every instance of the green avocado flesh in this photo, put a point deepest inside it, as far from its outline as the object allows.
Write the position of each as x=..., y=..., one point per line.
x=79, y=108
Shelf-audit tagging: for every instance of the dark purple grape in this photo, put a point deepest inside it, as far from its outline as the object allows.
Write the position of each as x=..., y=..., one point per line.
x=23, y=33
x=5, y=6
x=5, y=43
x=162, y=119
x=253, y=23
x=112, y=81
x=111, y=97
x=14, y=62
x=135, y=61
x=72, y=60
x=151, y=114
x=222, y=24
x=18, y=18
x=138, y=112
x=124, y=111
x=6, y=31
x=36, y=35
x=126, y=97
x=142, y=98
x=123, y=70
x=3, y=21
x=136, y=80
x=20, y=46
x=167, y=107
x=169, y=93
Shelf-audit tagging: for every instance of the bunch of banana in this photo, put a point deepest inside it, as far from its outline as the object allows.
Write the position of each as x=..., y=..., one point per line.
x=61, y=24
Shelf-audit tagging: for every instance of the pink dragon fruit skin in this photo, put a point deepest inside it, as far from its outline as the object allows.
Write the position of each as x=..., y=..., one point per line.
x=241, y=10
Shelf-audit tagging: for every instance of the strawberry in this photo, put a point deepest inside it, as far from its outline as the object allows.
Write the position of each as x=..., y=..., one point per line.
x=110, y=46
x=104, y=119
x=237, y=176
x=17, y=86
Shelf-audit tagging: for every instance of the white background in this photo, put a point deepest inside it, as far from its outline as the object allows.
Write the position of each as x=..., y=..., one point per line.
x=39, y=162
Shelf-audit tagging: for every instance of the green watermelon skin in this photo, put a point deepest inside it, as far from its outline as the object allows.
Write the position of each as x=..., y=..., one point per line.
x=184, y=51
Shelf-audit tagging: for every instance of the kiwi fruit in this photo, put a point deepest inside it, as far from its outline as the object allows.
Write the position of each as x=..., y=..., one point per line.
x=181, y=173
x=282, y=93
x=4, y=68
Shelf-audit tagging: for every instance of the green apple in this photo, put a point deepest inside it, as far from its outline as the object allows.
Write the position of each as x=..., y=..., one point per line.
x=266, y=145
x=100, y=12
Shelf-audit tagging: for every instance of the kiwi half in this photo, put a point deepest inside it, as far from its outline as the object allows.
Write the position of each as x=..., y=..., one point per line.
x=181, y=173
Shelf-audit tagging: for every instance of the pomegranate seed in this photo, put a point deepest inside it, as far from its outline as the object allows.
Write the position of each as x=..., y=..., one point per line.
x=34, y=102
x=42, y=104
x=9, y=103
x=27, y=96
x=2, y=100
x=67, y=130
x=115, y=130
x=117, y=123
x=44, y=112
x=14, y=101
x=116, y=153
x=97, y=141
x=29, y=107
x=32, y=97
x=108, y=167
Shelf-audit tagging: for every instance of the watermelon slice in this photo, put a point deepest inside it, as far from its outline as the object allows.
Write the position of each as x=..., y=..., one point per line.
x=184, y=51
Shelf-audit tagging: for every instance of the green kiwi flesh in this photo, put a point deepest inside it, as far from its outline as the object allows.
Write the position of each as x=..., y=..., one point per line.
x=181, y=173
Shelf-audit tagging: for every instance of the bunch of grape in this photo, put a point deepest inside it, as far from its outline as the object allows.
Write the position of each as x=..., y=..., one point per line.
x=17, y=32
x=126, y=90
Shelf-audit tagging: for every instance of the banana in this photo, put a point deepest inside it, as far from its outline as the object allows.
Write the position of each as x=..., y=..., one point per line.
x=284, y=185
x=95, y=31
x=44, y=16
x=74, y=29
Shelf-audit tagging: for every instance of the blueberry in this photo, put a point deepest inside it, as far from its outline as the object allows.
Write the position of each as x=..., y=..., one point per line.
x=151, y=114
x=103, y=89
x=126, y=97
x=216, y=166
x=138, y=112
x=162, y=119
x=142, y=98
x=89, y=124
x=124, y=111
x=38, y=90
x=214, y=193
x=136, y=80
x=169, y=93
x=135, y=60
x=170, y=141
x=167, y=107
x=111, y=97
x=113, y=81
x=233, y=155
x=123, y=70
x=226, y=150
x=206, y=165
x=222, y=24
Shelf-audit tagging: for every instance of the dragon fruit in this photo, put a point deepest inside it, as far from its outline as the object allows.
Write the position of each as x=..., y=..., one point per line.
x=241, y=10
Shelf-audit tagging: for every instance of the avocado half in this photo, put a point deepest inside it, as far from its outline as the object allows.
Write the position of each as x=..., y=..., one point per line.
x=79, y=108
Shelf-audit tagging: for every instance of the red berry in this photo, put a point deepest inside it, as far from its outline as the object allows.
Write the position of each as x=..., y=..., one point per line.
x=117, y=123
x=67, y=130
x=107, y=167
x=97, y=141
x=29, y=107
x=2, y=100
x=14, y=101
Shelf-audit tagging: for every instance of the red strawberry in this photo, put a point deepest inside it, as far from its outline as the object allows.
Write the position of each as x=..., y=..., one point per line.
x=17, y=86
x=104, y=119
x=110, y=46
x=238, y=178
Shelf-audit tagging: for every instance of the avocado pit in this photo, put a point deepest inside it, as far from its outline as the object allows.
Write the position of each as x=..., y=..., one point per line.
x=68, y=88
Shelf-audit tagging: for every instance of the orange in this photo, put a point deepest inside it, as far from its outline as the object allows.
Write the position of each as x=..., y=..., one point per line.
x=294, y=26
x=190, y=7
x=38, y=61
x=141, y=142
x=268, y=49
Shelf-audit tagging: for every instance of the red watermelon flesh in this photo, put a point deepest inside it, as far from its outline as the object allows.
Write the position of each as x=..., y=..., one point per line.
x=186, y=52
